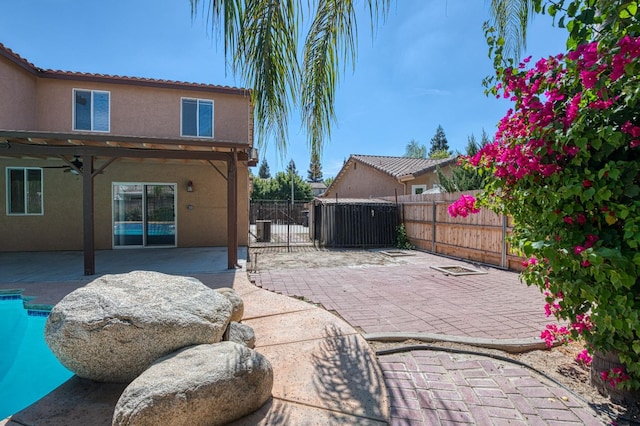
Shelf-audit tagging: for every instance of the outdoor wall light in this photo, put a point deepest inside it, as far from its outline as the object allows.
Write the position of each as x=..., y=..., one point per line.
x=190, y=186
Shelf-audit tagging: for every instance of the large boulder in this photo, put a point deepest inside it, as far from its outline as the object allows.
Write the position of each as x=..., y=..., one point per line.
x=237, y=305
x=200, y=385
x=240, y=333
x=112, y=329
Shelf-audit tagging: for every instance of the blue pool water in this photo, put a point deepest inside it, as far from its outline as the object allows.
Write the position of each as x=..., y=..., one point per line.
x=28, y=369
x=135, y=228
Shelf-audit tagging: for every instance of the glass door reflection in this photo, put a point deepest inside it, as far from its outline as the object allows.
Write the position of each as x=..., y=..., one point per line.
x=143, y=215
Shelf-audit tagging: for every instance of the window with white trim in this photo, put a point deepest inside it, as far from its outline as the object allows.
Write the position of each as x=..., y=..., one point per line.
x=91, y=110
x=418, y=189
x=24, y=191
x=197, y=117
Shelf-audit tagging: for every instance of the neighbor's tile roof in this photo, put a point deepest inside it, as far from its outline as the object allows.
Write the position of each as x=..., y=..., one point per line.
x=48, y=73
x=399, y=166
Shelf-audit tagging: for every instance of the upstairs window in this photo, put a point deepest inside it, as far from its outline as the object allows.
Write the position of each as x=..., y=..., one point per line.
x=24, y=191
x=91, y=110
x=197, y=118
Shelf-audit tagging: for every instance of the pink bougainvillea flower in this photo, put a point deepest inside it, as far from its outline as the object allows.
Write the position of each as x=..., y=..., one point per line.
x=578, y=249
x=591, y=240
x=614, y=376
x=587, y=183
x=585, y=263
x=584, y=358
x=463, y=206
x=582, y=219
x=552, y=333
x=568, y=219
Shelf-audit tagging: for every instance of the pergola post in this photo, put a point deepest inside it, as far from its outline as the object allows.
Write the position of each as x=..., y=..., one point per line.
x=232, y=211
x=87, y=215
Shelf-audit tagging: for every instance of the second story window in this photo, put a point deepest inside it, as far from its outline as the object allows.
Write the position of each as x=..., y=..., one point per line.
x=197, y=117
x=91, y=110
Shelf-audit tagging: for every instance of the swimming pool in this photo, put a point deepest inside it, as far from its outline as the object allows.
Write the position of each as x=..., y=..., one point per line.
x=28, y=369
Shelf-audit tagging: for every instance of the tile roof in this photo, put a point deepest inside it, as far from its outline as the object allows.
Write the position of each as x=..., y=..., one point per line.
x=59, y=74
x=400, y=166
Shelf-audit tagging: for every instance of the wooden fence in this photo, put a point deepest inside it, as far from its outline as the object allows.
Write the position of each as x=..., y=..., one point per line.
x=478, y=237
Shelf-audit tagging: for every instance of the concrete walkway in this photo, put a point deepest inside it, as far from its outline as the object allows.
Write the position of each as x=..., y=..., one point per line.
x=435, y=387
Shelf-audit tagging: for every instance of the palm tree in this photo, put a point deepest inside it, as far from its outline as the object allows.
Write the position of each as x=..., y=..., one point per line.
x=261, y=46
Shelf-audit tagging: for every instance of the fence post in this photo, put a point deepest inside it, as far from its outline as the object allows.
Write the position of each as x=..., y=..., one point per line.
x=433, y=229
x=504, y=241
x=289, y=225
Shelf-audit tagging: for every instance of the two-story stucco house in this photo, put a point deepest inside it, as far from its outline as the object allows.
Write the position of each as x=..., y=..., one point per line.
x=92, y=161
x=371, y=176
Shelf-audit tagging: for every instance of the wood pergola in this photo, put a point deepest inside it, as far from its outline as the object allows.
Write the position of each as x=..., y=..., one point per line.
x=109, y=147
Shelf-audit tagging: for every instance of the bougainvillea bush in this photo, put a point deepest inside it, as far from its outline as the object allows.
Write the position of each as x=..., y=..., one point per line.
x=565, y=165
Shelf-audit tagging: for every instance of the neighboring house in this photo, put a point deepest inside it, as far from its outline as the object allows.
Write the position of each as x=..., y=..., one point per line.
x=91, y=161
x=318, y=188
x=371, y=176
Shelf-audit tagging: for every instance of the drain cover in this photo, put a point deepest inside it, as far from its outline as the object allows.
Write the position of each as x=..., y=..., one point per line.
x=456, y=270
x=396, y=253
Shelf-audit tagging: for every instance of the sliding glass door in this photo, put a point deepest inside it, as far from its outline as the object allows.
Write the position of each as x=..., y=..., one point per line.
x=144, y=214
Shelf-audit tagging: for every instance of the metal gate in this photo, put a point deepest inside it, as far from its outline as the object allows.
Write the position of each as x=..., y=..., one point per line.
x=278, y=224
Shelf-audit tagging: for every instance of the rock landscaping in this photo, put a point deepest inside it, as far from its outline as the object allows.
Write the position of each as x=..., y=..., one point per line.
x=163, y=334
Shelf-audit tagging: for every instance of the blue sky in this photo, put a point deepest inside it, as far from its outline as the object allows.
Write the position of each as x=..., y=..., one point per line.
x=423, y=68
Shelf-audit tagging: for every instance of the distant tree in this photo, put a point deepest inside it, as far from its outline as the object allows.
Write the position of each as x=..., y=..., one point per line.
x=328, y=181
x=439, y=142
x=464, y=178
x=484, y=139
x=264, y=172
x=472, y=145
x=314, y=174
x=415, y=150
x=291, y=167
x=279, y=188
x=440, y=155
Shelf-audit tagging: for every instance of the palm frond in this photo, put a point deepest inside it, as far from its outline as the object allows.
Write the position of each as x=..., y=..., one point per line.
x=269, y=63
x=511, y=18
x=225, y=15
x=330, y=43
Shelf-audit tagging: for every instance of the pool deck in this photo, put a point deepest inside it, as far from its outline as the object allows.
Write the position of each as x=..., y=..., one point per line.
x=324, y=371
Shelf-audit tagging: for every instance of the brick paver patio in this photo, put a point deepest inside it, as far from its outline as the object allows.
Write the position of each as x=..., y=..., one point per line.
x=434, y=387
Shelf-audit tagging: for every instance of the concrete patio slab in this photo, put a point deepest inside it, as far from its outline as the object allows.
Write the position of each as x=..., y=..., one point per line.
x=276, y=412
x=298, y=326
x=338, y=373
x=324, y=373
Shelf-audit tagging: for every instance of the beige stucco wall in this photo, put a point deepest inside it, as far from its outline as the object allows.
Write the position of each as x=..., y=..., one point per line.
x=141, y=111
x=18, y=91
x=60, y=228
x=363, y=181
x=429, y=178
x=36, y=103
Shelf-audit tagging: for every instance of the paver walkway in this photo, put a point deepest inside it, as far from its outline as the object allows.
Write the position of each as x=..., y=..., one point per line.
x=413, y=297
x=435, y=387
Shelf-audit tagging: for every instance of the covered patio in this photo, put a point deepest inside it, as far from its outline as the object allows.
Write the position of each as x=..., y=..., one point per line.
x=49, y=276
x=108, y=148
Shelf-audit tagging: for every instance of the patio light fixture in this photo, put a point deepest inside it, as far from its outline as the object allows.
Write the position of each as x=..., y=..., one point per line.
x=190, y=186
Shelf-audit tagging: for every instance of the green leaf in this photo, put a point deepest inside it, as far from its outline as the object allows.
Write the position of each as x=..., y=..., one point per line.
x=636, y=347
x=628, y=10
x=561, y=22
x=632, y=191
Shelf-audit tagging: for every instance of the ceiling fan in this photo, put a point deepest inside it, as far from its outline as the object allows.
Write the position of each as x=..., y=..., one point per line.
x=74, y=166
